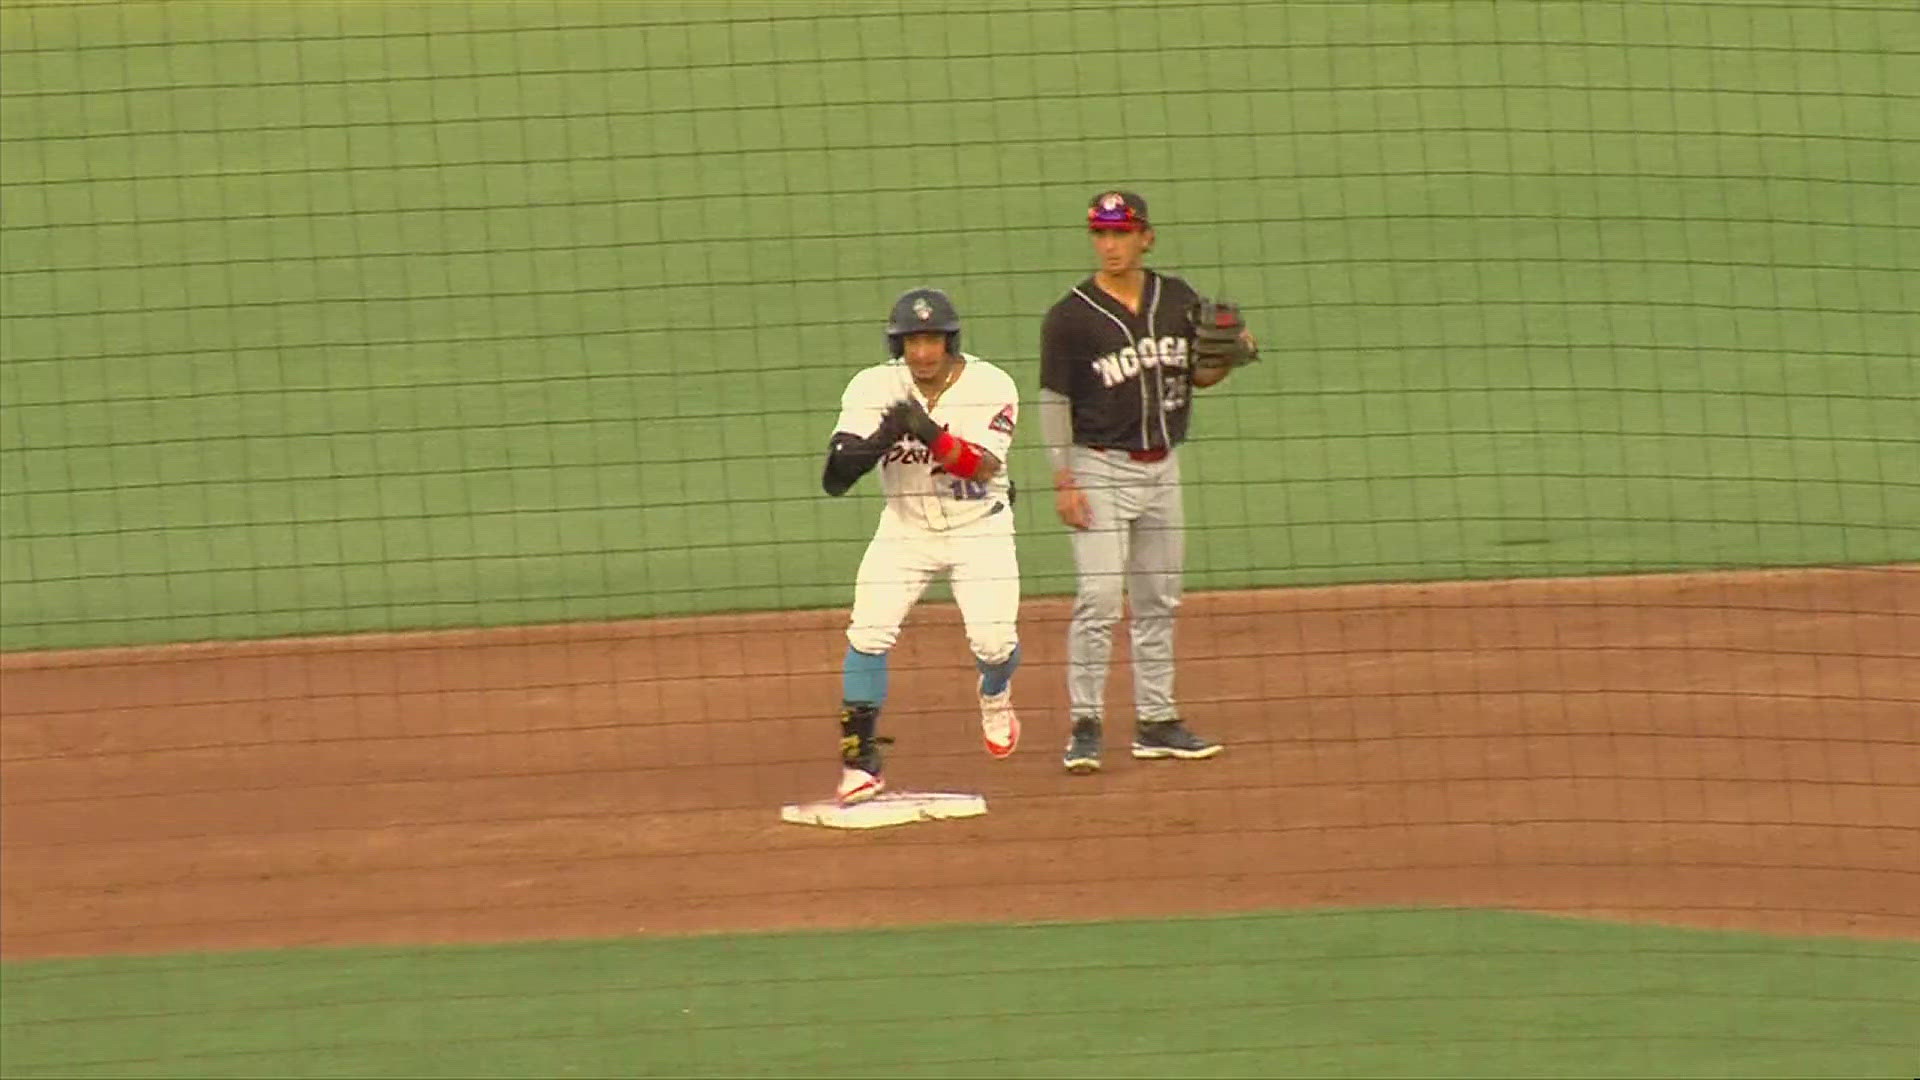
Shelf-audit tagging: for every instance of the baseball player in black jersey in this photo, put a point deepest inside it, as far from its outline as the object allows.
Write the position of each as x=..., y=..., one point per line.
x=1116, y=394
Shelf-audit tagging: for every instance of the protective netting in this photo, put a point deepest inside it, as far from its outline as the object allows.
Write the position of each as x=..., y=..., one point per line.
x=1556, y=557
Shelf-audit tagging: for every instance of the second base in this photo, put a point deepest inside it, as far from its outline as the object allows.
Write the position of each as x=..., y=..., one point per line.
x=887, y=808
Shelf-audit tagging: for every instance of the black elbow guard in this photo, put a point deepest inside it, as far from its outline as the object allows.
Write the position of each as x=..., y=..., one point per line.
x=848, y=459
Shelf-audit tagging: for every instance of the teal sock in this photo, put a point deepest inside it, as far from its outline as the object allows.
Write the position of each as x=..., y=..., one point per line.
x=863, y=677
x=995, y=677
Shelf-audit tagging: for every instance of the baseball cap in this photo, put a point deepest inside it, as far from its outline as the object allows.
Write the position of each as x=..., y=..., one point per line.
x=1118, y=211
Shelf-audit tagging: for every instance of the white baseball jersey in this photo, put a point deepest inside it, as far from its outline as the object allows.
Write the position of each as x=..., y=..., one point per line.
x=982, y=406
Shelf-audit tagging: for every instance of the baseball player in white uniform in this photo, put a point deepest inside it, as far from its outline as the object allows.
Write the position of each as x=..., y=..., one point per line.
x=938, y=422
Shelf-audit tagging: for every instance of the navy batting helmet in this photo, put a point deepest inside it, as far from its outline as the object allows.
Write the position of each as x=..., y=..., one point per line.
x=921, y=311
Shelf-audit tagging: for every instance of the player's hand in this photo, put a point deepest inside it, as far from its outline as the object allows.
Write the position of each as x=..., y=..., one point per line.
x=1071, y=503
x=892, y=428
x=913, y=419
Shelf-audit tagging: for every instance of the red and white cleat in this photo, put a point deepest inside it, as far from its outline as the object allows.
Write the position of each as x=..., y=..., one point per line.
x=858, y=785
x=999, y=727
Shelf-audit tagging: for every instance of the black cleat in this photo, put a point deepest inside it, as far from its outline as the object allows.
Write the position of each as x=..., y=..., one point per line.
x=1171, y=739
x=1083, y=748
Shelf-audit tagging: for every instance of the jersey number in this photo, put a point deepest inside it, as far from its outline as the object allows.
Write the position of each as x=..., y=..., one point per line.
x=967, y=489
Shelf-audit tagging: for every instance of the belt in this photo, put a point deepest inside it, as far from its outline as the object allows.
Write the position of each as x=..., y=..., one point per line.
x=1137, y=455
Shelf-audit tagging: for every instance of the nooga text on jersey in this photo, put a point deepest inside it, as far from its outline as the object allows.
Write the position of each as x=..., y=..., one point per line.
x=1117, y=367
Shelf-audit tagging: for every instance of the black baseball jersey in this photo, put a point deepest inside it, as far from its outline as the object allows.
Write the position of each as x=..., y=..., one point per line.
x=1125, y=373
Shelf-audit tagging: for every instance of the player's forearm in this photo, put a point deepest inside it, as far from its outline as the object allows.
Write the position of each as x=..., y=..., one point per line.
x=1056, y=428
x=987, y=468
x=849, y=457
x=968, y=461
x=1204, y=377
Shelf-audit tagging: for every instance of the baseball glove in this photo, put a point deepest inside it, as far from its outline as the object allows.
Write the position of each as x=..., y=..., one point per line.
x=1220, y=338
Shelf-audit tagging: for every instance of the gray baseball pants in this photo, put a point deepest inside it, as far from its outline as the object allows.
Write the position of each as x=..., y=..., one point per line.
x=1134, y=550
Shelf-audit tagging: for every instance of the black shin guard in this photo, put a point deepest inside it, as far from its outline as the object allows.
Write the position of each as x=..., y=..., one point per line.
x=859, y=746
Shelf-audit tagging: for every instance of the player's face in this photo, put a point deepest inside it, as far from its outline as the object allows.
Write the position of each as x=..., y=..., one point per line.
x=1119, y=251
x=926, y=355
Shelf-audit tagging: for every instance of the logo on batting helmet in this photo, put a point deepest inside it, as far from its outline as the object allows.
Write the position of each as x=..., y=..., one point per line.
x=921, y=311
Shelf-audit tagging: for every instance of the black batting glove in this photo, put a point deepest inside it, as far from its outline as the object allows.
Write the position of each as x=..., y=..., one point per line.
x=913, y=418
x=892, y=427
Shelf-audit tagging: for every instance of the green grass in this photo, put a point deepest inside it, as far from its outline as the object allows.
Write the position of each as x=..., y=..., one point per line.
x=1433, y=993
x=338, y=316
